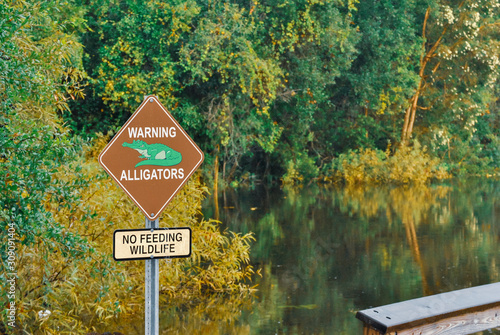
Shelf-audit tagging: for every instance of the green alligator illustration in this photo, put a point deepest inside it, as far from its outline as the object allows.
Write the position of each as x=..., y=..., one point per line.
x=156, y=153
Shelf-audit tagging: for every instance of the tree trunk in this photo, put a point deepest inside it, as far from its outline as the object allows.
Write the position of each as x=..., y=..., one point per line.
x=216, y=184
x=425, y=57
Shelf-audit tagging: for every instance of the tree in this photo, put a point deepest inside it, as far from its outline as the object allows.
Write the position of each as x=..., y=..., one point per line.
x=282, y=87
x=38, y=75
x=203, y=61
x=38, y=72
x=236, y=75
x=458, y=70
x=314, y=42
x=383, y=75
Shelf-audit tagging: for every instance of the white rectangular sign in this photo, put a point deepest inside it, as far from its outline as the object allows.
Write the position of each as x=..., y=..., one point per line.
x=133, y=244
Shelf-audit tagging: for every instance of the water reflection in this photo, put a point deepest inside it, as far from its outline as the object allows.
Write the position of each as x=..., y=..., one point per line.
x=215, y=314
x=327, y=252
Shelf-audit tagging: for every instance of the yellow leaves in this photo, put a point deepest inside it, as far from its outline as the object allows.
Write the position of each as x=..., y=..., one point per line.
x=406, y=165
x=109, y=85
x=218, y=263
x=383, y=102
x=123, y=46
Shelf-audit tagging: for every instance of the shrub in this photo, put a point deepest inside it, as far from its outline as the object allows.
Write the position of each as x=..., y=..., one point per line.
x=300, y=169
x=408, y=164
x=85, y=293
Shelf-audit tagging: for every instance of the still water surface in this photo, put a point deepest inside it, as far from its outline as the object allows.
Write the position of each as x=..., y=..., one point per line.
x=325, y=253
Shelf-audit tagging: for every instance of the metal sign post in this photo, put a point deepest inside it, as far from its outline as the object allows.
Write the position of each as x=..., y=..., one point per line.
x=152, y=290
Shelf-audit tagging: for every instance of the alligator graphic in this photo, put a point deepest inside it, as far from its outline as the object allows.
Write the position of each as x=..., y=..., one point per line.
x=156, y=153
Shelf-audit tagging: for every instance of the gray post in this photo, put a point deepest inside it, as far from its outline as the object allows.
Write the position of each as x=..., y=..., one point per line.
x=152, y=290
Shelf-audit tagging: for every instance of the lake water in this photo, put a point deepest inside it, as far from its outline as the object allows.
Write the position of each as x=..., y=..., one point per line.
x=327, y=252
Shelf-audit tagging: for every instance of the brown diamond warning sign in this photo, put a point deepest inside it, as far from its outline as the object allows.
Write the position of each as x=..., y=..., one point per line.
x=151, y=157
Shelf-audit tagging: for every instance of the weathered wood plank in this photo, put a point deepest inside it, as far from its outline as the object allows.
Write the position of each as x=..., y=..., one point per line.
x=460, y=324
x=370, y=331
x=465, y=308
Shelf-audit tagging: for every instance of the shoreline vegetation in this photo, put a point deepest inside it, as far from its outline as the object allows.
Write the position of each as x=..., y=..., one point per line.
x=284, y=92
x=408, y=165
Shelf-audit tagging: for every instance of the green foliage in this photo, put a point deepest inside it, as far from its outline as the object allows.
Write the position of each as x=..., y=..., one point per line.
x=38, y=73
x=204, y=62
x=293, y=84
x=303, y=168
x=315, y=43
x=268, y=86
x=40, y=57
x=32, y=158
x=36, y=162
x=230, y=73
x=382, y=77
x=62, y=208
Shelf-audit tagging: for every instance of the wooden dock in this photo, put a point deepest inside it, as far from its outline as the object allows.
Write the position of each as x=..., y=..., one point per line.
x=458, y=312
